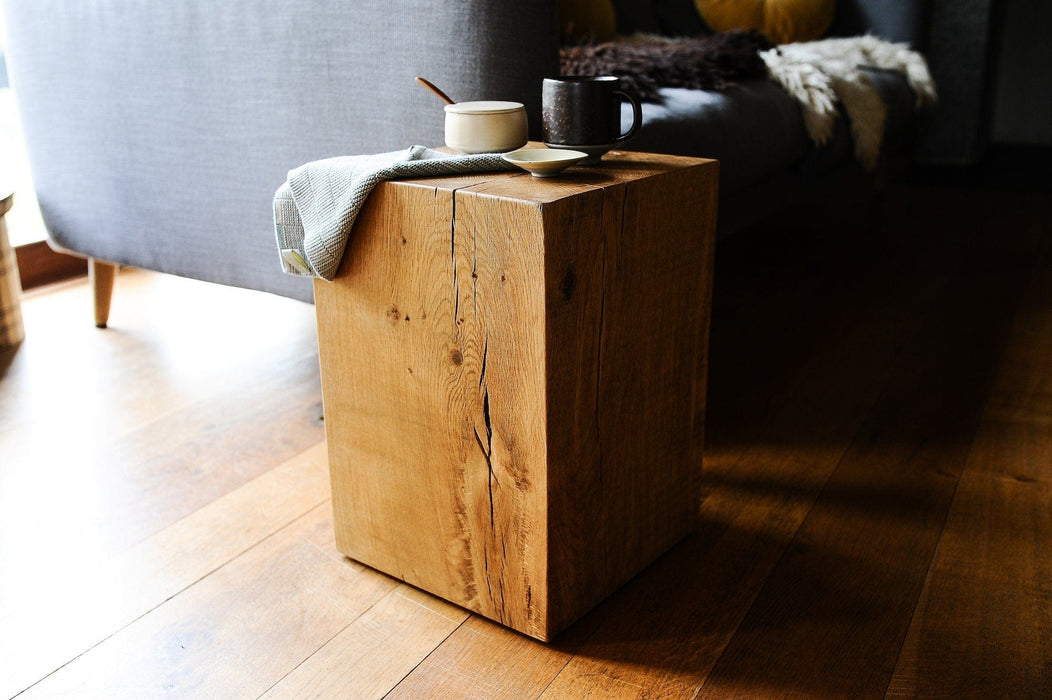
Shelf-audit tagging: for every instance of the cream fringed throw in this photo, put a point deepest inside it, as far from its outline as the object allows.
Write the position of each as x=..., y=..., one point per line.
x=820, y=74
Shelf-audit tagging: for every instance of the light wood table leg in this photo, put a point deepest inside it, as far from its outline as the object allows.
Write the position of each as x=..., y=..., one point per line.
x=12, y=330
x=101, y=274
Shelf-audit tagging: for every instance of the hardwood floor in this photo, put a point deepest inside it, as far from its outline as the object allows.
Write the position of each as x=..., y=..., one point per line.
x=876, y=516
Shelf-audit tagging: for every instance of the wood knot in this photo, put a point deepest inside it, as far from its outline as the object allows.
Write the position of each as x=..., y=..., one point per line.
x=456, y=357
x=394, y=313
x=568, y=284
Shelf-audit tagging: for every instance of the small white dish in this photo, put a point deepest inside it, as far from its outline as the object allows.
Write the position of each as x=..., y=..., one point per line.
x=544, y=162
x=595, y=153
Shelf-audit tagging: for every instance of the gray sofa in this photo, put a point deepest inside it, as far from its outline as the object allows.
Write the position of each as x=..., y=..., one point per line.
x=158, y=132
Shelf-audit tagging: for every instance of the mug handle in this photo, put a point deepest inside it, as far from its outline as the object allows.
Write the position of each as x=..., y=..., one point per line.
x=637, y=116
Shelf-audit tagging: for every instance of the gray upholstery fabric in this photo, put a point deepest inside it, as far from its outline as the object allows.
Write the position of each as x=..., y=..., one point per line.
x=960, y=55
x=158, y=132
x=894, y=20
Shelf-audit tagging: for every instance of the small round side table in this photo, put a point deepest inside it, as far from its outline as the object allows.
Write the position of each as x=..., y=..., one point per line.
x=11, y=329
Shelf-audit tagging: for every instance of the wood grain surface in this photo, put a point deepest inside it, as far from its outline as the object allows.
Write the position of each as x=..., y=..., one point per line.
x=517, y=433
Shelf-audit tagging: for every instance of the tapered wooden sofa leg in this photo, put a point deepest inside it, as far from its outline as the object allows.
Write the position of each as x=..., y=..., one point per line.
x=101, y=274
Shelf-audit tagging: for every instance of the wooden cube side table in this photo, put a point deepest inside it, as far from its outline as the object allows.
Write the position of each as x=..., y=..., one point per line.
x=513, y=372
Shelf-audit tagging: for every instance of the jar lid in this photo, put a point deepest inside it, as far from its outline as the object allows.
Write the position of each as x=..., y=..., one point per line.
x=484, y=107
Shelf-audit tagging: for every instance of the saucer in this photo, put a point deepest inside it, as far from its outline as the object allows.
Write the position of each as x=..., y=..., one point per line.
x=544, y=162
x=594, y=152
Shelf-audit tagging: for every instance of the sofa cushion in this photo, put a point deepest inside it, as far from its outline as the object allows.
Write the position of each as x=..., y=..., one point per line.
x=894, y=21
x=756, y=129
x=783, y=21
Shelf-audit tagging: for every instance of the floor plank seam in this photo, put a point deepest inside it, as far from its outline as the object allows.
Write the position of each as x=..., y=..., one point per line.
x=311, y=655
x=934, y=554
x=556, y=676
x=428, y=656
x=928, y=569
x=220, y=497
x=169, y=599
x=789, y=540
x=1011, y=326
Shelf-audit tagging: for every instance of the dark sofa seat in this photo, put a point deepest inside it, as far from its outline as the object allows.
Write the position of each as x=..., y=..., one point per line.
x=756, y=131
x=753, y=129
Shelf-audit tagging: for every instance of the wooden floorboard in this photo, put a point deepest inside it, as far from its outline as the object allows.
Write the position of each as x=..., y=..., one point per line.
x=236, y=632
x=875, y=516
x=382, y=647
x=109, y=436
x=60, y=621
x=832, y=615
x=984, y=623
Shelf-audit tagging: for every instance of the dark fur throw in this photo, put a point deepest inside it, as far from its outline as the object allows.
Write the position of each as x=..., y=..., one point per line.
x=645, y=62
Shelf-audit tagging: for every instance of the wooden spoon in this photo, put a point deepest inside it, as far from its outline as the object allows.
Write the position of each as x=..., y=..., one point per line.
x=431, y=86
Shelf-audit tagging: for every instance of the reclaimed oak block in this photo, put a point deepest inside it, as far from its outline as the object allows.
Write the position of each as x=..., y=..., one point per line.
x=513, y=372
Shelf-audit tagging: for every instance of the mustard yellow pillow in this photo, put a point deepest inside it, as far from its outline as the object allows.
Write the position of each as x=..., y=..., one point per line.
x=587, y=19
x=783, y=21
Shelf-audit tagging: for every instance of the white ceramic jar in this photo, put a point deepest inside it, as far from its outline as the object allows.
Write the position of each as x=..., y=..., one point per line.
x=486, y=126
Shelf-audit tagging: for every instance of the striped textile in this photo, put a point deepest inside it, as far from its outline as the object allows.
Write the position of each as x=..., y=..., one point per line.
x=11, y=329
x=316, y=208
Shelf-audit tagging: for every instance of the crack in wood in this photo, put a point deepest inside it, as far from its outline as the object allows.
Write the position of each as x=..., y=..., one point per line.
x=599, y=354
x=503, y=604
x=485, y=561
x=474, y=273
x=489, y=455
x=621, y=232
x=599, y=368
x=486, y=447
x=453, y=257
x=599, y=362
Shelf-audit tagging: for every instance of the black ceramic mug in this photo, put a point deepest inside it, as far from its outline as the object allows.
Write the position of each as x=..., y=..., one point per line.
x=584, y=113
